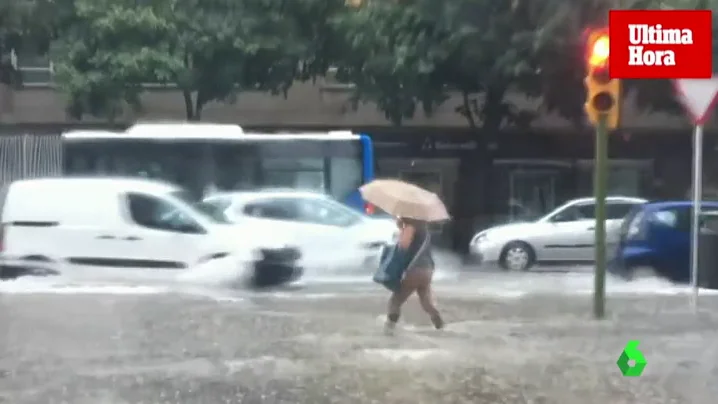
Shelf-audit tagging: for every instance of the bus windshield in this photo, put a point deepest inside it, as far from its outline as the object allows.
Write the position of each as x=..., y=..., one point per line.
x=332, y=166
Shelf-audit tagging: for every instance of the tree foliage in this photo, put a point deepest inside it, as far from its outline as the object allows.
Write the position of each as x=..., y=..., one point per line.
x=27, y=26
x=390, y=51
x=417, y=52
x=404, y=54
x=211, y=50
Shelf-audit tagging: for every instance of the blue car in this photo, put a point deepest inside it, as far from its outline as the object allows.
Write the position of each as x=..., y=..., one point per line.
x=656, y=235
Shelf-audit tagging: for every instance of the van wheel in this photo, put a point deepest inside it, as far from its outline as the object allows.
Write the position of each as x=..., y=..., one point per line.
x=517, y=256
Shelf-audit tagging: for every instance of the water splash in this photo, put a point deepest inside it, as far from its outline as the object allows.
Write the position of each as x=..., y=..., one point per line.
x=38, y=286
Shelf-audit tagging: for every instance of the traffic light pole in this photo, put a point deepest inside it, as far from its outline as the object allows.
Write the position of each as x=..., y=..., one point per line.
x=599, y=186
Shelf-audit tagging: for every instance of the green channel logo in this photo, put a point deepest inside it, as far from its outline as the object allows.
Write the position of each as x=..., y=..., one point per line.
x=631, y=354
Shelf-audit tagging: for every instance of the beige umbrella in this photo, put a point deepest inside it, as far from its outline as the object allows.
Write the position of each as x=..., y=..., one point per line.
x=402, y=199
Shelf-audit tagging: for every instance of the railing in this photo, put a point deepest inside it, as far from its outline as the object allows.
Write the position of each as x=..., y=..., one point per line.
x=30, y=156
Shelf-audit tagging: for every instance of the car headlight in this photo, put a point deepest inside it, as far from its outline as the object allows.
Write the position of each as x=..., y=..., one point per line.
x=480, y=238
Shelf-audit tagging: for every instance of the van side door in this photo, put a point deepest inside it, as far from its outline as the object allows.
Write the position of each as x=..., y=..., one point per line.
x=159, y=234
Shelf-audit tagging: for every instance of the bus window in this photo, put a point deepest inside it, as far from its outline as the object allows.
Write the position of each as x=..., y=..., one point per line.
x=331, y=166
x=235, y=166
x=345, y=176
x=301, y=173
x=174, y=162
x=78, y=161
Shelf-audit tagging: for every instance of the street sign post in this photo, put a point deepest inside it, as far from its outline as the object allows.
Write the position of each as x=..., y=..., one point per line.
x=698, y=97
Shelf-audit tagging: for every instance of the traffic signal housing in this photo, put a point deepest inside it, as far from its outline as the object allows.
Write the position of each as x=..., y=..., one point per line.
x=603, y=94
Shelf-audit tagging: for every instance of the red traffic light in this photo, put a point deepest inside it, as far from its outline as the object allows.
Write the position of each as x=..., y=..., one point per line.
x=598, y=49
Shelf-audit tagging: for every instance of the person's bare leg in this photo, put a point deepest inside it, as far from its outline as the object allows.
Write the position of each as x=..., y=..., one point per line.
x=397, y=300
x=426, y=299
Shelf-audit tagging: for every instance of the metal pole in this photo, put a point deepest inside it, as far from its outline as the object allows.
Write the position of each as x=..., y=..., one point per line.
x=599, y=186
x=697, y=198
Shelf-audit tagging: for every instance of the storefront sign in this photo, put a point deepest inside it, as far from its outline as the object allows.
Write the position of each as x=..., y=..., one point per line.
x=426, y=145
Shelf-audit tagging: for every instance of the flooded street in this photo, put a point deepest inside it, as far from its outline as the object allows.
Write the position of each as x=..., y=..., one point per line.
x=511, y=338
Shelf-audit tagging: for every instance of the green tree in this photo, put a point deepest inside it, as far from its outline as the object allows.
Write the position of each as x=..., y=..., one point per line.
x=210, y=50
x=390, y=51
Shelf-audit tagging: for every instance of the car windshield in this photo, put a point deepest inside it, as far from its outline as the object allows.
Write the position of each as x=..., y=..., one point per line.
x=187, y=198
x=215, y=209
x=542, y=216
x=529, y=217
x=558, y=214
x=331, y=211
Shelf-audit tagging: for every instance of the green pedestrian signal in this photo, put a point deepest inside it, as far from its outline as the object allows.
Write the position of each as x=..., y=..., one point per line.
x=631, y=354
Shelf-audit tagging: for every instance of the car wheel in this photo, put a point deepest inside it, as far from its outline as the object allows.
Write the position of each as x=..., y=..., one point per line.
x=517, y=256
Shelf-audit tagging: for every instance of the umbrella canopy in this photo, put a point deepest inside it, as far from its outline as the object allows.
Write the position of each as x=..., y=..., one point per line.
x=402, y=199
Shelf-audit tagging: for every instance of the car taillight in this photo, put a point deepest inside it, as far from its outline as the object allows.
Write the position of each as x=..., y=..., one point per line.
x=369, y=208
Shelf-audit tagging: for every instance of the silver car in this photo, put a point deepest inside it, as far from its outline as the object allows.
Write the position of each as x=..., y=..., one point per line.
x=566, y=235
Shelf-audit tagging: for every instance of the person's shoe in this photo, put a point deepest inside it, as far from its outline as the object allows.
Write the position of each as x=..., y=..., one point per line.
x=438, y=322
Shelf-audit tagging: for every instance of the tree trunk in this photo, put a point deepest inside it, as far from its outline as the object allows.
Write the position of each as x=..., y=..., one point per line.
x=494, y=114
x=469, y=194
x=198, y=107
x=188, y=105
x=466, y=191
x=475, y=203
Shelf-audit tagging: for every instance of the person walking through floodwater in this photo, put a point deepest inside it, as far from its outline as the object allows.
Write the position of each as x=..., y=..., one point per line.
x=416, y=208
x=415, y=241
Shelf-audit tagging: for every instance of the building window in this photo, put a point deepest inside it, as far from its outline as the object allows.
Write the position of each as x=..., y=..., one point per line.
x=36, y=70
x=625, y=177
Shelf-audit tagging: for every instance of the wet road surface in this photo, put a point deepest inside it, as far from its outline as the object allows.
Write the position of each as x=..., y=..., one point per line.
x=511, y=339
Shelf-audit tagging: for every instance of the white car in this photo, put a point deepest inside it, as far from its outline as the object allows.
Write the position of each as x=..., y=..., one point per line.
x=330, y=235
x=128, y=224
x=563, y=236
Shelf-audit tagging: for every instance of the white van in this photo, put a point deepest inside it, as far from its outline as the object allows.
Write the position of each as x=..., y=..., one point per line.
x=128, y=223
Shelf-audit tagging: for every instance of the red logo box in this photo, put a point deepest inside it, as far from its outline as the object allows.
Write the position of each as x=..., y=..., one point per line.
x=669, y=44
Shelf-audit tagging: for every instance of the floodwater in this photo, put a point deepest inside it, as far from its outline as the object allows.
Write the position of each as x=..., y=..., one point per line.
x=124, y=338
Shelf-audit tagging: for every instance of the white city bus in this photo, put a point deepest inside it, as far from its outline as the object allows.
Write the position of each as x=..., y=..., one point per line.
x=209, y=157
